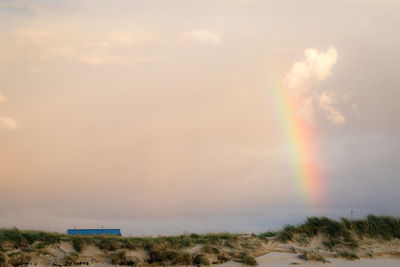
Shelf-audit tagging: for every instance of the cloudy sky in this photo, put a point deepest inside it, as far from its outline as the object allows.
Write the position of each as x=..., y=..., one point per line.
x=165, y=116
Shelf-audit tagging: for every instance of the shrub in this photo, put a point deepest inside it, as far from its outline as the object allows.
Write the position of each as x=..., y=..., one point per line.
x=40, y=245
x=230, y=244
x=118, y=258
x=201, y=259
x=2, y=259
x=187, y=259
x=177, y=242
x=348, y=255
x=267, y=234
x=248, y=259
x=171, y=257
x=302, y=240
x=210, y=249
x=308, y=256
x=20, y=259
x=223, y=257
x=109, y=244
x=331, y=243
x=71, y=258
x=286, y=234
x=78, y=244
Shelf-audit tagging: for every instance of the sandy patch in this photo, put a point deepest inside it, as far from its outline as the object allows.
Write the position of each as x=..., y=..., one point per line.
x=141, y=254
x=277, y=259
x=91, y=250
x=66, y=247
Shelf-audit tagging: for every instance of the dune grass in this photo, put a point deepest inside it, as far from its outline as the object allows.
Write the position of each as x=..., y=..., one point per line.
x=247, y=259
x=337, y=235
x=268, y=234
x=78, y=244
x=342, y=232
x=309, y=256
x=337, y=231
x=2, y=259
x=347, y=255
x=201, y=259
x=28, y=237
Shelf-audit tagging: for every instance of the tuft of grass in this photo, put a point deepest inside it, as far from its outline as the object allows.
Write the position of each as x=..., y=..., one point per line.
x=287, y=233
x=2, y=259
x=20, y=259
x=78, y=244
x=348, y=256
x=342, y=232
x=378, y=227
x=118, y=258
x=229, y=244
x=268, y=234
x=201, y=259
x=248, y=259
x=171, y=257
x=210, y=249
x=187, y=259
x=331, y=243
x=108, y=243
x=302, y=240
x=24, y=238
x=308, y=256
x=71, y=258
x=223, y=257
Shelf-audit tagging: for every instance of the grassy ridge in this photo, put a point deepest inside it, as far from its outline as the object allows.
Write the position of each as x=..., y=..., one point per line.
x=162, y=250
x=24, y=238
x=342, y=232
x=337, y=235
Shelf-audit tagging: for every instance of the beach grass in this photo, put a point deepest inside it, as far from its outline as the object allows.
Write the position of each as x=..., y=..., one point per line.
x=342, y=236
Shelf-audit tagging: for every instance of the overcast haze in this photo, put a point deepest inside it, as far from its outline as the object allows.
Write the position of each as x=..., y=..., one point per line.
x=162, y=117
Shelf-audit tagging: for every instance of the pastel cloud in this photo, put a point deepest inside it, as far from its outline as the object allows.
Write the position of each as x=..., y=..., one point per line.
x=203, y=36
x=7, y=123
x=325, y=101
x=315, y=68
x=304, y=80
x=41, y=44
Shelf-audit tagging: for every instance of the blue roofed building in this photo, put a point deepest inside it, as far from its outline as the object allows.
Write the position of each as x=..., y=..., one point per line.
x=94, y=232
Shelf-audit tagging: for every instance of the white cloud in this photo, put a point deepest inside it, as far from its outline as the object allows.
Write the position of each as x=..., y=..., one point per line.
x=315, y=68
x=303, y=82
x=326, y=100
x=7, y=123
x=203, y=36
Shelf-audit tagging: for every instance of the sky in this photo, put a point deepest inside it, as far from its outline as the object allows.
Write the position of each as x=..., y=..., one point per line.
x=164, y=117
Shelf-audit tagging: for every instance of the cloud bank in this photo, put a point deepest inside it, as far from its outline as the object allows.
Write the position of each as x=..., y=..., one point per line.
x=203, y=36
x=304, y=80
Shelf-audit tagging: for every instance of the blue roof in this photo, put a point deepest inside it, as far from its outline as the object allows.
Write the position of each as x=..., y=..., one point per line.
x=94, y=231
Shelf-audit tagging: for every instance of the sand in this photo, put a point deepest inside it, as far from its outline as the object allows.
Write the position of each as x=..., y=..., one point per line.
x=277, y=259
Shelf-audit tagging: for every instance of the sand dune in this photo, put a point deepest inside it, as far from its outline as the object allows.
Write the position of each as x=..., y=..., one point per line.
x=278, y=259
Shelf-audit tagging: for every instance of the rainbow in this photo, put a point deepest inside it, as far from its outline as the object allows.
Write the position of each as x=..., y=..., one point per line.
x=302, y=146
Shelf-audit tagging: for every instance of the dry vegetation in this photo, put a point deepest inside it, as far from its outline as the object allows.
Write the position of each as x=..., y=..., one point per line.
x=312, y=240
